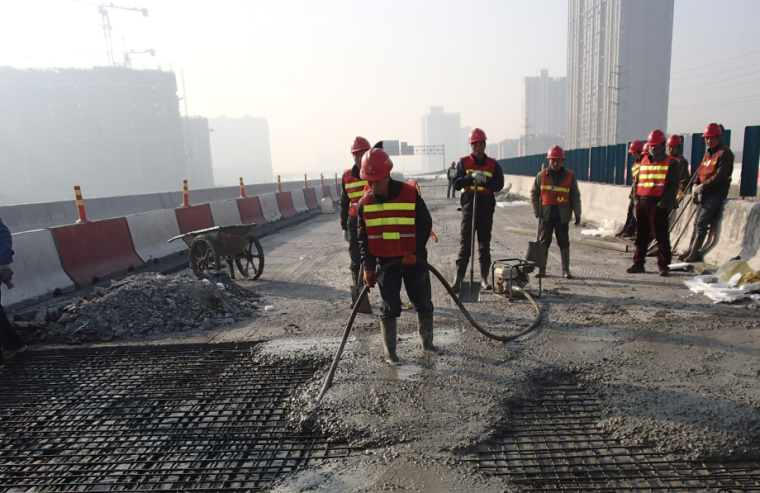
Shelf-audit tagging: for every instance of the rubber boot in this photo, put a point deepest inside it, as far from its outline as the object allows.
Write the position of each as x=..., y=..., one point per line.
x=425, y=326
x=696, y=248
x=388, y=331
x=484, y=271
x=685, y=254
x=460, y=277
x=565, y=253
x=542, y=267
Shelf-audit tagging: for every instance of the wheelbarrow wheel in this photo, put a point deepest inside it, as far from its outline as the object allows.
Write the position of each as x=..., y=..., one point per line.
x=252, y=263
x=203, y=257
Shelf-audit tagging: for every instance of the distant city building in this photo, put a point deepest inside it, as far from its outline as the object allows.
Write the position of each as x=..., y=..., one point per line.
x=464, y=133
x=544, y=104
x=240, y=147
x=200, y=172
x=441, y=128
x=618, y=69
x=508, y=148
x=111, y=130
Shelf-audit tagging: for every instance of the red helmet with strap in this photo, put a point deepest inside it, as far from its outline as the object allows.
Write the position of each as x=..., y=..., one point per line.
x=376, y=164
x=712, y=130
x=636, y=146
x=674, y=140
x=476, y=135
x=360, y=144
x=645, y=150
x=555, y=152
x=656, y=138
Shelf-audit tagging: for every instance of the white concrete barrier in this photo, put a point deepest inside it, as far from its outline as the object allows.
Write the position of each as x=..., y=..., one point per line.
x=269, y=207
x=299, y=201
x=37, y=267
x=225, y=213
x=335, y=191
x=318, y=190
x=151, y=230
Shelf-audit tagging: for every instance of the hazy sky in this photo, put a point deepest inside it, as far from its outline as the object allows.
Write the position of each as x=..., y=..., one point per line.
x=323, y=72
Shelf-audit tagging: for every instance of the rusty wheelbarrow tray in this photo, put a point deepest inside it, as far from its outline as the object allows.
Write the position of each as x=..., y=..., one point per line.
x=230, y=244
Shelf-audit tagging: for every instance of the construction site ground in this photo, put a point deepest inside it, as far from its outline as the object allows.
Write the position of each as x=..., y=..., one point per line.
x=672, y=371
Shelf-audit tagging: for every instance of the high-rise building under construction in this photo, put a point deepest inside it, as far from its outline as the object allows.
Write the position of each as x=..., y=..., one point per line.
x=618, y=70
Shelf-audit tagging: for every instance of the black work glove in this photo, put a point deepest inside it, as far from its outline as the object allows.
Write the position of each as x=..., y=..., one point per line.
x=577, y=220
x=538, y=216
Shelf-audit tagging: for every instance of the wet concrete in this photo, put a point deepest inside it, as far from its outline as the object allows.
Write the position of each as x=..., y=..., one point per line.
x=673, y=370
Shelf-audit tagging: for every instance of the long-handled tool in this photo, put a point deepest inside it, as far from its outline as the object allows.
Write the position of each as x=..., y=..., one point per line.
x=364, y=306
x=682, y=205
x=536, y=250
x=469, y=292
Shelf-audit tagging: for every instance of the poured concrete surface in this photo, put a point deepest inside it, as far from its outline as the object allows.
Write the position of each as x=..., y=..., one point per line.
x=672, y=370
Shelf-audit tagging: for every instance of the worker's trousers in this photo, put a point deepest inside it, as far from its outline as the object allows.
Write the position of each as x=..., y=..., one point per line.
x=561, y=231
x=9, y=340
x=353, y=244
x=451, y=190
x=650, y=218
x=629, y=227
x=483, y=227
x=709, y=211
x=416, y=280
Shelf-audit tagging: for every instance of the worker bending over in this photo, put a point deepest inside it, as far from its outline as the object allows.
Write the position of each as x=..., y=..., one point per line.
x=654, y=190
x=479, y=170
x=394, y=222
x=352, y=187
x=555, y=196
x=711, y=185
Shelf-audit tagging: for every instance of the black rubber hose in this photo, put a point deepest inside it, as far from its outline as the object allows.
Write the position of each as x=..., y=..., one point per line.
x=393, y=263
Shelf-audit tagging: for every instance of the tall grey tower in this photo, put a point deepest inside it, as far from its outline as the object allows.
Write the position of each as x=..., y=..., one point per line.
x=544, y=104
x=618, y=70
x=441, y=128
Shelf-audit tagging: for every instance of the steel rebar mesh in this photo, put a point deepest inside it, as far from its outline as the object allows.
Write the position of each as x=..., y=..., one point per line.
x=181, y=418
x=554, y=443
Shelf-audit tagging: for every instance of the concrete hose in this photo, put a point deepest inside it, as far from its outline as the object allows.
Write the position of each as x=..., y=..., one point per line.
x=347, y=331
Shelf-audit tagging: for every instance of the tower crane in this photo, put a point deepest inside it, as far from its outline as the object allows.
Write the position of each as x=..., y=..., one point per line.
x=103, y=10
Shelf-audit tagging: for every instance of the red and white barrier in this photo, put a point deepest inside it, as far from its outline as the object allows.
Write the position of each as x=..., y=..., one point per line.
x=250, y=211
x=193, y=218
x=312, y=202
x=225, y=213
x=285, y=204
x=150, y=232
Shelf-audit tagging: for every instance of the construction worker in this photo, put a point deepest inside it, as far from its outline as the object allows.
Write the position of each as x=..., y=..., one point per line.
x=637, y=150
x=450, y=174
x=479, y=170
x=654, y=191
x=674, y=145
x=555, y=196
x=352, y=190
x=394, y=222
x=711, y=185
x=10, y=342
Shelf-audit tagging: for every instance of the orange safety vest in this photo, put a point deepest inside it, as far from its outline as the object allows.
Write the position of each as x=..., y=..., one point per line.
x=635, y=168
x=468, y=163
x=391, y=231
x=552, y=194
x=355, y=188
x=652, y=177
x=709, y=165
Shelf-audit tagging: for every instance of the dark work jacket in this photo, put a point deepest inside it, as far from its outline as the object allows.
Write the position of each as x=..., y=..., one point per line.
x=6, y=244
x=422, y=222
x=719, y=183
x=684, y=177
x=486, y=203
x=345, y=202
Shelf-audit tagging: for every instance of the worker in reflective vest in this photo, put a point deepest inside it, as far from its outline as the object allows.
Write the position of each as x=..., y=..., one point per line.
x=450, y=174
x=394, y=222
x=481, y=171
x=711, y=185
x=353, y=187
x=684, y=177
x=655, y=189
x=636, y=149
x=555, y=197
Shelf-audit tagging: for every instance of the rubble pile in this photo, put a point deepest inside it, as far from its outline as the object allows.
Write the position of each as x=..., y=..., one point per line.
x=140, y=306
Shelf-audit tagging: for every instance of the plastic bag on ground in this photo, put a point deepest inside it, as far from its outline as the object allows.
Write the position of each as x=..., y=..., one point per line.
x=591, y=232
x=732, y=267
x=725, y=295
x=610, y=227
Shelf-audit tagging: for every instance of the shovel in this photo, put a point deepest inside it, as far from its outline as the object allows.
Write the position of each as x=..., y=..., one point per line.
x=536, y=251
x=470, y=291
x=356, y=289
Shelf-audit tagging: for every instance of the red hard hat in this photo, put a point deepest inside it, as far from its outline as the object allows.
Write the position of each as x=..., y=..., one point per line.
x=375, y=165
x=555, y=152
x=656, y=138
x=360, y=144
x=674, y=140
x=645, y=149
x=476, y=135
x=636, y=146
x=712, y=130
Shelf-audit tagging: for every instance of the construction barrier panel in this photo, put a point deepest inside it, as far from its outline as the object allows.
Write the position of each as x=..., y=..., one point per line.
x=326, y=192
x=312, y=201
x=335, y=191
x=285, y=204
x=269, y=207
x=38, y=271
x=319, y=193
x=193, y=218
x=92, y=251
x=150, y=231
x=299, y=201
x=225, y=213
x=250, y=211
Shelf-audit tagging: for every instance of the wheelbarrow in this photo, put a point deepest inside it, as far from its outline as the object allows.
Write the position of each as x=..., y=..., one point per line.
x=229, y=244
